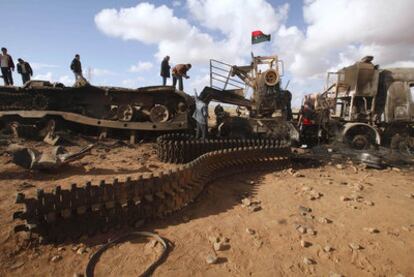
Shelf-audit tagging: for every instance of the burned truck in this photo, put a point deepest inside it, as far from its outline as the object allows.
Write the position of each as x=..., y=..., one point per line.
x=104, y=109
x=268, y=108
x=366, y=105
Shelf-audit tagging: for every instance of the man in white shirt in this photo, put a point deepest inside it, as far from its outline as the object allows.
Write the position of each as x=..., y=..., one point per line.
x=7, y=66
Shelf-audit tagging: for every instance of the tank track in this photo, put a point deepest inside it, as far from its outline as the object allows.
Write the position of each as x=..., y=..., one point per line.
x=88, y=209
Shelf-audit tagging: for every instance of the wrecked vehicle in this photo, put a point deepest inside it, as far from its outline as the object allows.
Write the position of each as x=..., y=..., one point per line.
x=366, y=105
x=268, y=109
x=156, y=108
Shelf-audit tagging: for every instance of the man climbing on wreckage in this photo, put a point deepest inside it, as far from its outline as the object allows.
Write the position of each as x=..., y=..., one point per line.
x=200, y=115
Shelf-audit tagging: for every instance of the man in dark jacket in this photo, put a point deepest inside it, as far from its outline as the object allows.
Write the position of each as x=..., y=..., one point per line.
x=178, y=72
x=25, y=70
x=76, y=67
x=165, y=70
x=7, y=66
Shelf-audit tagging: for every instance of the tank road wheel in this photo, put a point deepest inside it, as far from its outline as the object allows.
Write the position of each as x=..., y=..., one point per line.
x=125, y=112
x=40, y=102
x=159, y=113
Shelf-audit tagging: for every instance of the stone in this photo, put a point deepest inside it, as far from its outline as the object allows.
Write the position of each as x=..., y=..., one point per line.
x=355, y=246
x=81, y=250
x=410, y=195
x=339, y=166
x=211, y=259
x=328, y=248
x=305, y=243
x=78, y=275
x=371, y=230
x=306, y=188
x=213, y=239
x=250, y=231
x=254, y=208
x=324, y=220
x=396, y=169
x=60, y=249
x=301, y=229
x=308, y=261
x=246, y=202
x=305, y=209
x=76, y=247
x=252, y=182
x=56, y=258
x=298, y=175
x=345, y=198
x=310, y=231
x=359, y=187
x=368, y=203
x=218, y=246
x=291, y=171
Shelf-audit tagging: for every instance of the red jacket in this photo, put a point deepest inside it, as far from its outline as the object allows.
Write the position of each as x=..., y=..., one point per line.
x=180, y=70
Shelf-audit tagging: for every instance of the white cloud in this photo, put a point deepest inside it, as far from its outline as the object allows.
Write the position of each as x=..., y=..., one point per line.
x=357, y=29
x=141, y=66
x=185, y=42
x=99, y=72
x=336, y=34
x=133, y=83
x=65, y=79
x=44, y=77
x=37, y=66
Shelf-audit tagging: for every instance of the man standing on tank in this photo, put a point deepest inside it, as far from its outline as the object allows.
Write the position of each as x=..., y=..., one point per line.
x=25, y=70
x=7, y=66
x=178, y=72
x=76, y=67
x=165, y=70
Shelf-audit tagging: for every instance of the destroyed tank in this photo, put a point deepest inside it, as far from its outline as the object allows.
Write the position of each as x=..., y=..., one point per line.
x=155, y=108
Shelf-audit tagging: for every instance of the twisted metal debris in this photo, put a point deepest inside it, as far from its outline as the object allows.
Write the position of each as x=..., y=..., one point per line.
x=85, y=210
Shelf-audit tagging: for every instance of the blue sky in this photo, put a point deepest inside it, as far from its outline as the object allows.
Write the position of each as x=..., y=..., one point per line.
x=48, y=33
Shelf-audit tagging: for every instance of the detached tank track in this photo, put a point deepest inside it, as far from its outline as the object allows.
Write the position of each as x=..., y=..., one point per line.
x=85, y=210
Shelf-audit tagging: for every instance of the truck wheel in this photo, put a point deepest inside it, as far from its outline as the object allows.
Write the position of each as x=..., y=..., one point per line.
x=360, y=142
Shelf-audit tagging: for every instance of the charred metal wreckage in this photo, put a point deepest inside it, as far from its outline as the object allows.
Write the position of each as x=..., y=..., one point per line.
x=366, y=105
x=262, y=138
x=159, y=108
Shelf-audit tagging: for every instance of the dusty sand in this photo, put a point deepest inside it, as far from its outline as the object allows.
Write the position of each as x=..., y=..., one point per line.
x=378, y=199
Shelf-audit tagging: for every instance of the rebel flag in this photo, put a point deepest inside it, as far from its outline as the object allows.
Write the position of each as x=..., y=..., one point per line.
x=258, y=36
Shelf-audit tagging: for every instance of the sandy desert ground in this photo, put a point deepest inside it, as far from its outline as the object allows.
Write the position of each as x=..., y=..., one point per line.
x=319, y=221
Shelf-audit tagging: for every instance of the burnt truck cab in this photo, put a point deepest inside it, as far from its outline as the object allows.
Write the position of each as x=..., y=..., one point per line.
x=373, y=104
